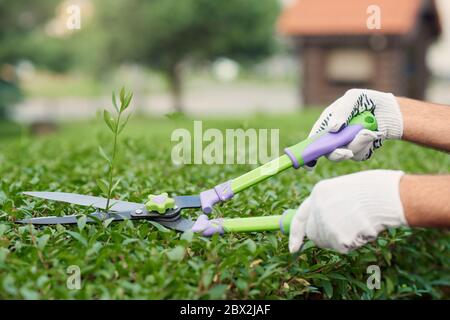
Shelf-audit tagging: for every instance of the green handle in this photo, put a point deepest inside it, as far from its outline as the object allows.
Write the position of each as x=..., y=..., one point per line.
x=365, y=120
x=265, y=223
x=304, y=152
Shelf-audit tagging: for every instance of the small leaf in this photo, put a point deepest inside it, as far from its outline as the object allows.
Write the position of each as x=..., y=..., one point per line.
x=78, y=237
x=158, y=226
x=103, y=154
x=251, y=245
x=42, y=241
x=3, y=229
x=81, y=222
x=123, y=124
x=129, y=240
x=107, y=222
x=114, y=102
x=3, y=254
x=103, y=185
x=109, y=120
x=218, y=292
x=126, y=102
x=95, y=249
x=122, y=95
x=176, y=254
x=207, y=278
x=115, y=185
x=328, y=288
x=241, y=284
x=187, y=235
x=29, y=294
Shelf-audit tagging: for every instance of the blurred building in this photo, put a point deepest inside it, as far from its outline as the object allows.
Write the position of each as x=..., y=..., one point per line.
x=344, y=44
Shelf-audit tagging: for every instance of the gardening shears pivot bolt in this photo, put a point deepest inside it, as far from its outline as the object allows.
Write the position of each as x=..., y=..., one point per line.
x=160, y=203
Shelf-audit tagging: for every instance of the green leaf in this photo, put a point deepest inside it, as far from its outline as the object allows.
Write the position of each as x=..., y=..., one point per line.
x=187, y=235
x=116, y=184
x=241, y=284
x=114, y=102
x=328, y=288
x=81, y=223
x=107, y=222
x=389, y=285
x=122, y=94
x=103, y=185
x=78, y=237
x=109, y=120
x=207, y=278
x=3, y=229
x=123, y=124
x=126, y=102
x=129, y=240
x=218, y=292
x=104, y=155
x=3, y=254
x=251, y=245
x=42, y=241
x=29, y=294
x=176, y=254
x=158, y=226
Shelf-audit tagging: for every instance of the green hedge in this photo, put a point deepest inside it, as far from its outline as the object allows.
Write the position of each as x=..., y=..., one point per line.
x=135, y=260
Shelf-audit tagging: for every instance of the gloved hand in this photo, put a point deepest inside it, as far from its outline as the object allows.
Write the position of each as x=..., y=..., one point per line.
x=386, y=110
x=344, y=213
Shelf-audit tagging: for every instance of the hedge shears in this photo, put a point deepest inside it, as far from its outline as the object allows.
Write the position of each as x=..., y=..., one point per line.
x=166, y=210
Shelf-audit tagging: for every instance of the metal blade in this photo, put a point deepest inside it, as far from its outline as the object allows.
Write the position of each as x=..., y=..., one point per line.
x=72, y=219
x=83, y=200
x=188, y=201
x=180, y=224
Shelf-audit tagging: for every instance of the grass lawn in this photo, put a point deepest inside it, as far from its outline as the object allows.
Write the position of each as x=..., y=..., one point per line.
x=134, y=260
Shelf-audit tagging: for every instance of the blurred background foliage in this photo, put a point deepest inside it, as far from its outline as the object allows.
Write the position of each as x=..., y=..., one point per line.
x=164, y=35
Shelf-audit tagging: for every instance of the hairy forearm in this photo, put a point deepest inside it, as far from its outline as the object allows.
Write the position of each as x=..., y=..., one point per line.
x=426, y=200
x=426, y=123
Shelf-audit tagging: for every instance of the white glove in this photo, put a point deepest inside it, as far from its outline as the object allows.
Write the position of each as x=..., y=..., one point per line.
x=344, y=213
x=355, y=101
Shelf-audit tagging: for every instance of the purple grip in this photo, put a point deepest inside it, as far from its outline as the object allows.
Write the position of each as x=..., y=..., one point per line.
x=208, y=227
x=329, y=142
x=221, y=192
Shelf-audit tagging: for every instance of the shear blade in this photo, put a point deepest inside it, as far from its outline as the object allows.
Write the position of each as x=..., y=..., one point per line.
x=83, y=200
x=180, y=224
x=72, y=219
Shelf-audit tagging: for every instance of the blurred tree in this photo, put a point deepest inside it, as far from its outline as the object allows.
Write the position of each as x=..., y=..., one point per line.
x=18, y=20
x=164, y=34
x=22, y=37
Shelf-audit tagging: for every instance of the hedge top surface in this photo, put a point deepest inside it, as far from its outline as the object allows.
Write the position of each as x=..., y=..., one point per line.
x=134, y=260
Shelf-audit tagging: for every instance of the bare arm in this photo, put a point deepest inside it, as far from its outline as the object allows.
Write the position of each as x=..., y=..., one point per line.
x=426, y=123
x=425, y=200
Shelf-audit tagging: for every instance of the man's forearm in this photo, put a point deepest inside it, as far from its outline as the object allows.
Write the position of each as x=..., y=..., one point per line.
x=426, y=123
x=425, y=200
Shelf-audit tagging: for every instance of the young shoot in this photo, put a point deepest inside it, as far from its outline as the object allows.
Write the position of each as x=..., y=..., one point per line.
x=116, y=123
